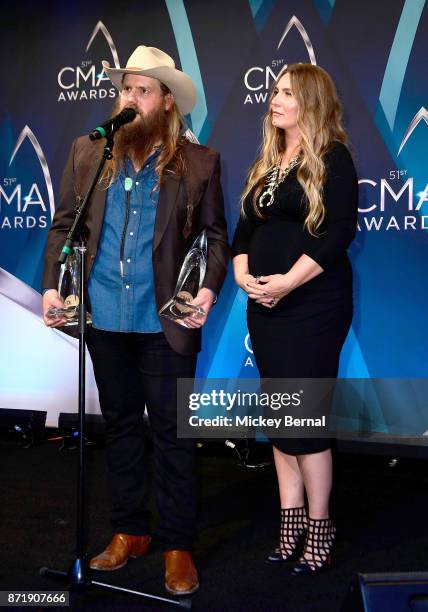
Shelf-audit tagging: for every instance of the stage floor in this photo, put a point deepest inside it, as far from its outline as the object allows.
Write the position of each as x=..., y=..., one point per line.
x=380, y=512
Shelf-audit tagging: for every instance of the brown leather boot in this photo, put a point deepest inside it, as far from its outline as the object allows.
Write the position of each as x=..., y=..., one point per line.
x=181, y=577
x=119, y=550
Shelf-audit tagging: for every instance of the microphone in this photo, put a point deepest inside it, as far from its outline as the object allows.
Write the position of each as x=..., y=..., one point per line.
x=112, y=125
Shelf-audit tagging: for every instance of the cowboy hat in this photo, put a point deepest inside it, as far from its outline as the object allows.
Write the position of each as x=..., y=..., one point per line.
x=152, y=62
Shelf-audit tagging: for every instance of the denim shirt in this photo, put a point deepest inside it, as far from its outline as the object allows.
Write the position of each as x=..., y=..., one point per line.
x=124, y=300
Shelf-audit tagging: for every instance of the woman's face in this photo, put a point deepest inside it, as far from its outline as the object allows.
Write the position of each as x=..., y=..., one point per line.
x=284, y=107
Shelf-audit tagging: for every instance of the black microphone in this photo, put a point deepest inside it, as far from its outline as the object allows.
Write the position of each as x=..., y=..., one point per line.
x=112, y=125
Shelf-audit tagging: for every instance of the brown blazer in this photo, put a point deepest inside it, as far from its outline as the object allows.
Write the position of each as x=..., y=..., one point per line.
x=186, y=206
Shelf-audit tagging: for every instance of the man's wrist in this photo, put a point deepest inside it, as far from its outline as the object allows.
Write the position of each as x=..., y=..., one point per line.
x=213, y=293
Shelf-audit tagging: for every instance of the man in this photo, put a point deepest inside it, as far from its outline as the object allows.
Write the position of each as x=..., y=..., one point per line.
x=154, y=198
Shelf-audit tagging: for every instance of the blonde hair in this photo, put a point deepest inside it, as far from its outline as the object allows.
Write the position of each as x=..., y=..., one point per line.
x=319, y=120
x=170, y=153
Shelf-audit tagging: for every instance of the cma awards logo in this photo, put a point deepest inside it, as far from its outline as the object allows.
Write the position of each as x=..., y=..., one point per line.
x=248, y=348
x=88, y=81
x=22, y=206
x=259, y=79
x=398, y=188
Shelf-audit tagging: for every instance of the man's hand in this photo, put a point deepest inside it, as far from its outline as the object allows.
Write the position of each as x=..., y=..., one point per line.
x=204, y=299
x=51, y=299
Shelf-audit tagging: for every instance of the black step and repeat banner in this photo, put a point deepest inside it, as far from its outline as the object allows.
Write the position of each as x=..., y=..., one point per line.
x=54, y=89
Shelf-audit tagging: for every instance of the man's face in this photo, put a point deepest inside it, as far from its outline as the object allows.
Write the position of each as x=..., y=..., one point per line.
x=144, y=95
x=149, y=127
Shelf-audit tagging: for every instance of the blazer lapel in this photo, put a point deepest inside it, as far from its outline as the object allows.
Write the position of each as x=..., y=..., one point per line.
x=95, y=215
x=167, y=197
x=87, y=160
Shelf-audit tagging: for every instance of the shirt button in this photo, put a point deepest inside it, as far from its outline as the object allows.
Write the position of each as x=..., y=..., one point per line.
x=135, y=212
x=137, y=182
x=127, y=286
x=128, y=260
x=131, y=233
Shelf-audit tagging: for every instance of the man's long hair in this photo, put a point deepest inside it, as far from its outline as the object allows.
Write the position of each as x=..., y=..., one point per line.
x=320, y=123
x=169, y=125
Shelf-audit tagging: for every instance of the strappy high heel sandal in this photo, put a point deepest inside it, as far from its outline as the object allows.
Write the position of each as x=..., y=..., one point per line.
x=318, y=546
x=293, y=528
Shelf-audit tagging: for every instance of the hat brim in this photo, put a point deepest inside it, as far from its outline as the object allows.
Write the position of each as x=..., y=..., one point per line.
x=180, y=84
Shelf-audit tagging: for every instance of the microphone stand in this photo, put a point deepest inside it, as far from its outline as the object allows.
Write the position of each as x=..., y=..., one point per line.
x=79, y=575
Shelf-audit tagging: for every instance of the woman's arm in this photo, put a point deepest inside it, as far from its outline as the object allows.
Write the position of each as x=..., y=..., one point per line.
x=245, y=228
x=240, y=271
x=340, y=196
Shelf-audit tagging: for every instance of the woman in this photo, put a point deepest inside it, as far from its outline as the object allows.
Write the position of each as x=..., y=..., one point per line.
x=298, y=217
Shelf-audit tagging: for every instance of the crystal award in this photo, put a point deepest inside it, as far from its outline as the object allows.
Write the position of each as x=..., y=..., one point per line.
x=189, y=282
x=69, y=291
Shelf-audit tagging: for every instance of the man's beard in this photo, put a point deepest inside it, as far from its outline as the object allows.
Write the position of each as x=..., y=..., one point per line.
x=137, y=139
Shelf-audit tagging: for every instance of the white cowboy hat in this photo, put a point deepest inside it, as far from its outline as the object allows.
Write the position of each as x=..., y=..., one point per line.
x=152, y=62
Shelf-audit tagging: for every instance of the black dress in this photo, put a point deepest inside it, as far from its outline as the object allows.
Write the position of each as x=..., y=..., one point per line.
x=302, y=336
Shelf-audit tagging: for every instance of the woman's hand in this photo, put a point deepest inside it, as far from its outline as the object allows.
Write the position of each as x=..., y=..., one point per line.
x=268, y=290
x=241, y=273
x=242, y=280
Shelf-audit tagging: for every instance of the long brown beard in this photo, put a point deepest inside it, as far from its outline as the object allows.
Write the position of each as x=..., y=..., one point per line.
x=137, y=139
x=129, y=142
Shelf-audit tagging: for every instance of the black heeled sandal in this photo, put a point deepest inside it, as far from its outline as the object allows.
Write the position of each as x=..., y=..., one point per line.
x=318, y=546
x=293, y=528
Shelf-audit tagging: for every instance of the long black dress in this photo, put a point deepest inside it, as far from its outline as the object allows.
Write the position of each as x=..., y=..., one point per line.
x=302, y=336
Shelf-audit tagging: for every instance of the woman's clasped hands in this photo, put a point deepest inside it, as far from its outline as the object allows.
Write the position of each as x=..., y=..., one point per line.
x=267, y=290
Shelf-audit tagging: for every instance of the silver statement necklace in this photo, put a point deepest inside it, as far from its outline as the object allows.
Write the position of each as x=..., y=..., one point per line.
x=275, y=178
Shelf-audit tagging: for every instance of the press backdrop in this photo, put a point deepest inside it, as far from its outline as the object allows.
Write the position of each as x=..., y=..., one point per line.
x=53, y=89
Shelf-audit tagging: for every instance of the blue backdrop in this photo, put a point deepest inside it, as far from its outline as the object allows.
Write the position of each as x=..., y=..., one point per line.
x=54, y=89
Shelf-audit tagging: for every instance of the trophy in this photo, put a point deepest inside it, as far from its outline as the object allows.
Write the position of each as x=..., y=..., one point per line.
x=68, y=290
x=189, y=282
